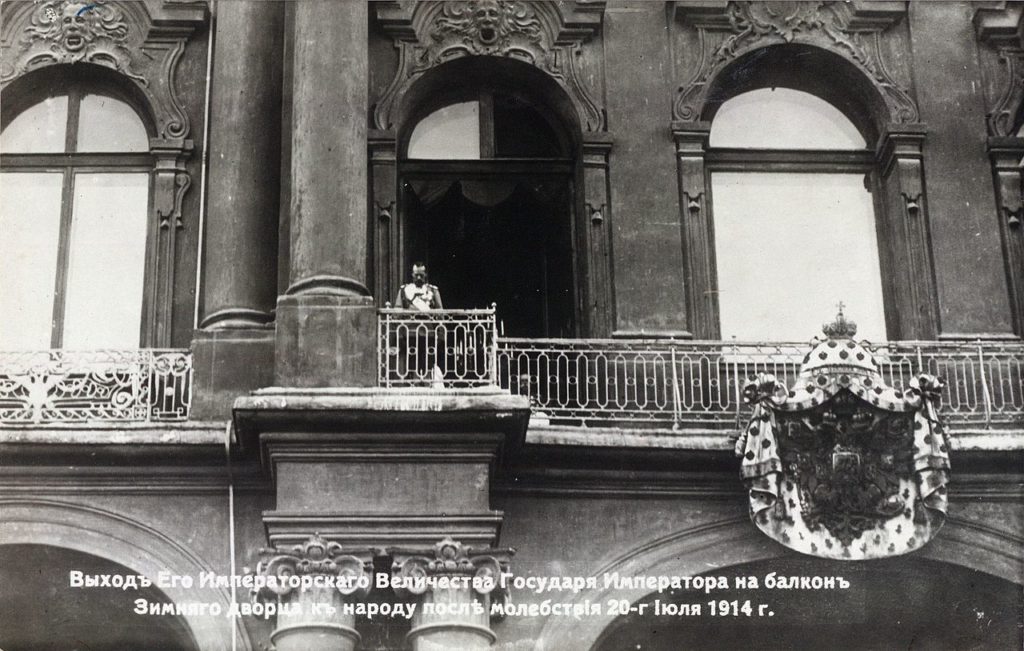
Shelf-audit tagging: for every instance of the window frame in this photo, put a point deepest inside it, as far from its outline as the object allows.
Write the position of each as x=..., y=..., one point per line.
x=801, y=161
x=70, y=163
x=486, y=124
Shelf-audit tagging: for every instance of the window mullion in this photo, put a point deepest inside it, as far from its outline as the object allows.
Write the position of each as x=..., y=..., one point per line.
x=487, y=148
x=71, y=134
x=63, y=255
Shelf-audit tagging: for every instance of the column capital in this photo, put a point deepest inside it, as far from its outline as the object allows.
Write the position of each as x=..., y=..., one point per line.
x=691, y=138
x=904, y=141
x=455, y=586
x=351, y=568
x=417, y=567
x=308, y=585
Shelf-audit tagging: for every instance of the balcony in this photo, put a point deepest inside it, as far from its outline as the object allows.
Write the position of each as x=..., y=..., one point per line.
x=121, y=386
x=669, y=384
x=656, y=384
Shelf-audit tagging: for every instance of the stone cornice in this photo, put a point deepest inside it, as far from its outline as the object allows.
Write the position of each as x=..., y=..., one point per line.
x=458, y=417
x=1000, y=23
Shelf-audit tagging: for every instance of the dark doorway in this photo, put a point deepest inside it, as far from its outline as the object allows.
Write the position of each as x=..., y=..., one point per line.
x=489, y=176
x=504, y=240
x=906, y=603
x=40, y=611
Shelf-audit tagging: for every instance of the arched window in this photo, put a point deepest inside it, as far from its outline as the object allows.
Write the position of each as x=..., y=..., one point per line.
x=491, y=125
x=488, y=176
x=75, y=180
x=794, y=220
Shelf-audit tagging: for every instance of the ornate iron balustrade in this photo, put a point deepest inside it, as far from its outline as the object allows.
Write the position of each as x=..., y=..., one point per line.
x=667, y=383
x=61, y=386
x=440, y=348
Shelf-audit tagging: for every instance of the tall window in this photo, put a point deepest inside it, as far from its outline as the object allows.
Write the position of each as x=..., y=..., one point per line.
x=74, y=197
x=794, y=222
x=488, y=203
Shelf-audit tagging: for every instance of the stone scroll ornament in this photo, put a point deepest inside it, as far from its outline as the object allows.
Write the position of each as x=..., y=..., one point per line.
x=841, y=465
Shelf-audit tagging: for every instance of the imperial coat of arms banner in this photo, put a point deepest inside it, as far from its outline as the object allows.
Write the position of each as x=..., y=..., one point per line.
x=840, y=465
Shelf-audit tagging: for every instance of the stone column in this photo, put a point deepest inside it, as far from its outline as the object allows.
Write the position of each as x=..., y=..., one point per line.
x=233, y=351
x=240, y=256
x=691, y=140
x=455, y=586
x=308, y=585
x=326, y=321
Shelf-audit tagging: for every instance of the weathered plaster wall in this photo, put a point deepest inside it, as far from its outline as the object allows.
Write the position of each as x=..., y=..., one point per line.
x=973, y=297
x=647, y=244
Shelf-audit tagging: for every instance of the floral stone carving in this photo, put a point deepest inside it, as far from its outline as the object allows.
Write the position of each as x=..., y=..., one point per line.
x=841, y=465
x=535, y=33
x=743, y=27
x=60, y=31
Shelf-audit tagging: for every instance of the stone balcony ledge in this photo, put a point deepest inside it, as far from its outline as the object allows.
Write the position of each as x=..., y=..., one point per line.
x=961, y=439
x=117, y=433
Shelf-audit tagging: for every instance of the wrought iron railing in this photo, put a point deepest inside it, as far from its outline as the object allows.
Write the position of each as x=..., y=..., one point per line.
x=668, y=383
x=61, y=386
x=440, y=348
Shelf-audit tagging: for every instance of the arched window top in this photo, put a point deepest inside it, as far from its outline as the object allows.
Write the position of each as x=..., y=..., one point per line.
x=451, y=132
x=783, y=118
x=40, y=129
x=108, y=124
x=75, y=123
x=491, y=125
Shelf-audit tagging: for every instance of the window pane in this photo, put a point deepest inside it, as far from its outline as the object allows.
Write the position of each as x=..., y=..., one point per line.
x=782, y=119
x=452, y=132
x=789, y=247
x=520, y=131
x=107, y=124
x=40, y=129
x=30, y=227
x=107, y=261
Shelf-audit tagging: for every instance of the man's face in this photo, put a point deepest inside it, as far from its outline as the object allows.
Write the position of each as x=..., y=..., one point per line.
x=419, y=276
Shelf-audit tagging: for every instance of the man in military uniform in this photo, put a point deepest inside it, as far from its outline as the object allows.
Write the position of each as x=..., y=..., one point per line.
x=420, y=347
x=419, y=294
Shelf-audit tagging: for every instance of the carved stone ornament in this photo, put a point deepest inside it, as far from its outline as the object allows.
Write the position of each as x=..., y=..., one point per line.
x=545, y=35
x=69, y=32
x=1002, y=117
x=742, y=27
x=145, y=47
x=1002, y=28
x=283, y=571
x=840, y=465
x=481, y=567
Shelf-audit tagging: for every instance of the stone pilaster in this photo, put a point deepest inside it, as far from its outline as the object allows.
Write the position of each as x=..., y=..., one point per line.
x=245, y=149
x=309, y=584
x=691, y=140
x=600, y=309
x=915, y=308
x=326, y=319
x=1007, y=154
x=455, y=587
